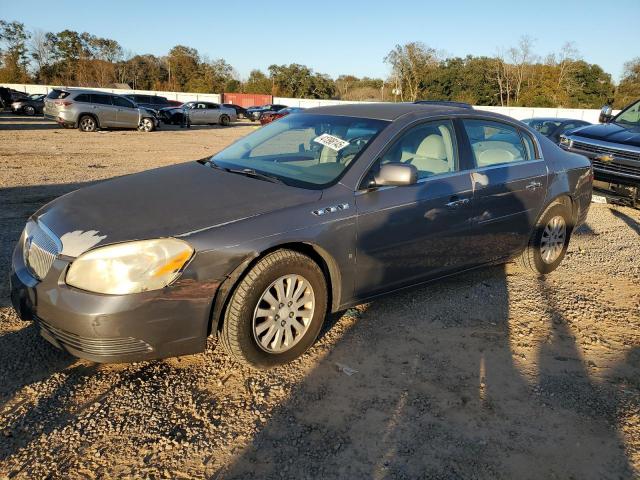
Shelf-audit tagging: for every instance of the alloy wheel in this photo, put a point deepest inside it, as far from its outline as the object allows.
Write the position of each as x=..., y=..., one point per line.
x=553, y=239
x=283, y=313
x=87, y=124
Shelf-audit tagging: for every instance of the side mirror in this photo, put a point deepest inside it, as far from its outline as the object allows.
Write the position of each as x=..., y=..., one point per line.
x=605, y=114
x=396, y=174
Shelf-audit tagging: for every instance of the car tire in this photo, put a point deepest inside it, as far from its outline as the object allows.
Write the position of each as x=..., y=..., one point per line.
x=29, y=110
x=147, y=125
x=262, y=326
x=87, y=124
x=549, y=241
x=224, y=120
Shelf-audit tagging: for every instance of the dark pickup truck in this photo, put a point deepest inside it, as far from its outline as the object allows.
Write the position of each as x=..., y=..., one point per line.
x=614, y=149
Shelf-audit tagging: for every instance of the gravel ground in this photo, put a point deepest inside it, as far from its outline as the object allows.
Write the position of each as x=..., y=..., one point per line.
x=494, y=374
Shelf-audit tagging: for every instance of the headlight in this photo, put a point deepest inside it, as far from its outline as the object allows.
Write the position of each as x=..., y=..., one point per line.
x=130, y=267
x=565, y=141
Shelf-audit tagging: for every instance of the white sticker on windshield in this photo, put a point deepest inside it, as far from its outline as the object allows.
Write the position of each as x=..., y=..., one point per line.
x=334, y=143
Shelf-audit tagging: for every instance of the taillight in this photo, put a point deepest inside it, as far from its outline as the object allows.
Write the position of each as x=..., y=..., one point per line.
x=62, y=103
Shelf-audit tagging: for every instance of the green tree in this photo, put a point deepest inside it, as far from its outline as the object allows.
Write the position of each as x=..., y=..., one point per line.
x=13, y=52
x=257, y=82
x=629, y=88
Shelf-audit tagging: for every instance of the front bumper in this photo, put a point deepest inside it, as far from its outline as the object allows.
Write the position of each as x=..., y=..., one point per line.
x=170, y=322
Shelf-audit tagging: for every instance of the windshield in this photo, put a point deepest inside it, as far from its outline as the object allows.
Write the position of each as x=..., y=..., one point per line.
x=301, y=149
x=630, y=116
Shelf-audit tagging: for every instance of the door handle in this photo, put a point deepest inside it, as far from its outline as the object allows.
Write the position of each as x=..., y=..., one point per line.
x=456, y=202
x=534, y=186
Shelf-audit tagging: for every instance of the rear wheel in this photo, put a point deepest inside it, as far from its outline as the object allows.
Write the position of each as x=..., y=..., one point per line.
x=276, y=311
x=549, y=240
x=225, y=120
x=87, y=124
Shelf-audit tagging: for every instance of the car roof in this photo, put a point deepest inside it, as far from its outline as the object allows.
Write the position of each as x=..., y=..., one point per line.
x=388, y=111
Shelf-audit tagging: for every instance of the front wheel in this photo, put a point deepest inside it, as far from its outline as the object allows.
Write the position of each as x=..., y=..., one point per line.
x=276, y=311
x=225, y=120
x=549, y=240
x=147, y=125
x=29, y=110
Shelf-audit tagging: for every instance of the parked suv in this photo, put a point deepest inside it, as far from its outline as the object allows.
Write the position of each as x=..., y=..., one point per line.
x=153, y=102
x=613, y=148
x=90, y=110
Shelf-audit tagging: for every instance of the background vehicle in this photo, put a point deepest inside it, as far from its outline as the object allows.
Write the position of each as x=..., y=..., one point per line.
x=90, y=110
x=241, y=112
x=258, y=242
x=9, y=95
x=255, y=112
x=200, y=113
x=153, y=102
x=614, y=150
x=268, y=117
x=553, y=127
x=32, y=105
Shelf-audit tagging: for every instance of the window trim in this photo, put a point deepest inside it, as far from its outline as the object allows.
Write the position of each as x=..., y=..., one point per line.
x=364, y=189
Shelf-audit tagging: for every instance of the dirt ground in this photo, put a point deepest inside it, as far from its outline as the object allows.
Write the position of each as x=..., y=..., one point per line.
x=493, y=374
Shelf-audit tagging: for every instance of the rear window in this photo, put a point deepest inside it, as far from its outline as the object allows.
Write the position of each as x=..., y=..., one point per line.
x=55, y=94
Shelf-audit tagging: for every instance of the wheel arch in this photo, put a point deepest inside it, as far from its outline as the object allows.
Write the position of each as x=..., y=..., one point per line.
x=565, y=199
x=87, y=114
x=319, y=255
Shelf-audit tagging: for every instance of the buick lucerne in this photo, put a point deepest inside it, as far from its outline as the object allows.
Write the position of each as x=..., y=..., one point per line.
x=319, y=211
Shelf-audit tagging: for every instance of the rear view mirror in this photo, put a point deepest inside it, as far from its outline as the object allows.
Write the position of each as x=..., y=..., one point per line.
x=605, y=114
x=396, y=174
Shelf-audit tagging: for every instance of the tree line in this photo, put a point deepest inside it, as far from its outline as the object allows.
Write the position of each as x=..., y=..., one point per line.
x=515, y=76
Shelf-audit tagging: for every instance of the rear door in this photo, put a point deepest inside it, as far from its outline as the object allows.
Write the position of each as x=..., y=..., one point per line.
x=212, y=113
x=104, y=109
x=126, y=112
x=413, y=232
x=509, y=183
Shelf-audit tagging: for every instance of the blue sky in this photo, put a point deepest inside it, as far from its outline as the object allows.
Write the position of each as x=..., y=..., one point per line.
x=337, y=37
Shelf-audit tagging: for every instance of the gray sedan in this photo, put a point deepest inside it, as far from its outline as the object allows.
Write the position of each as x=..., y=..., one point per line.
x=311, y=214
x=207, y=113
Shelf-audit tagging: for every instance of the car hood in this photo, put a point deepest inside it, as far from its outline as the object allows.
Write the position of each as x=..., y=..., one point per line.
x=610, y=132
x=164, y=202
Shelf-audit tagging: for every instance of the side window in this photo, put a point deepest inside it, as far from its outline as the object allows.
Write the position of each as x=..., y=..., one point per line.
x=631, y=115
x=529, y=145
x=83, y=97
x=494, y=143
x=159, y=100
x=122, y=102
x=430, y=147
x=101, y=99
x=213, y=106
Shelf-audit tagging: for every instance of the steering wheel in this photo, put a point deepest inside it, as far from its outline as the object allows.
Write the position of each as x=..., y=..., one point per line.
x=355, y=145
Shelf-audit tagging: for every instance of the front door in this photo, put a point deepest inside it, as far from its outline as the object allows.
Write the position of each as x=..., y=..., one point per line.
x=409, y=233
x=510, y=184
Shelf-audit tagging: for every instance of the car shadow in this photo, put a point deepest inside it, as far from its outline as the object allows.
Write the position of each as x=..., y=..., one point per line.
x=11, y=121
x=18, y=204
x=435, y=392
x=631, y=223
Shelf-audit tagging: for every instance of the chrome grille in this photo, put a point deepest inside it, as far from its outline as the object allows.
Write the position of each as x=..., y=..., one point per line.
x=41, y=247
x=627, y=170
x=617, y=153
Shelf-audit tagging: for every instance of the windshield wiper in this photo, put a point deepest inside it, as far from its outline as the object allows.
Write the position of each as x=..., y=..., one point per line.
x=250, y=172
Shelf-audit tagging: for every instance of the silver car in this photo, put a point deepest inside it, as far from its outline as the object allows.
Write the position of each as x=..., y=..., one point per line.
x=208, y=113
x=90, y=110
